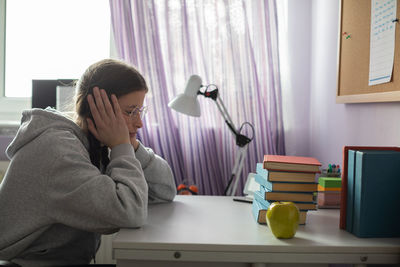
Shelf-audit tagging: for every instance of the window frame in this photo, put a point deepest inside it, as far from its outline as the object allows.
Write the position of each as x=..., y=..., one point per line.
x=2, y=45
x=10, y=107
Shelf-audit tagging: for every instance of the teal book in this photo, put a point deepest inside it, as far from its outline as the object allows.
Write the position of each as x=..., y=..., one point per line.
x=350, y=189
x=303, y=206
x=262, y=180
x=261, y=171
x=259, y=211
x=259, y=197
x=376, y=194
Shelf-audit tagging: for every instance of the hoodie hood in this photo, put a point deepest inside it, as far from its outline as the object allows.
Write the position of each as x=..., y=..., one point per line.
x=35, y=122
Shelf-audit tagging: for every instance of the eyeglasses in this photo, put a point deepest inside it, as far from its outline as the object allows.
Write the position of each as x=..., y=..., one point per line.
x=141, y=112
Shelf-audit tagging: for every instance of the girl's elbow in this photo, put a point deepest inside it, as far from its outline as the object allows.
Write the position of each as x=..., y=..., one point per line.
x=138, y=219
x=172, y=194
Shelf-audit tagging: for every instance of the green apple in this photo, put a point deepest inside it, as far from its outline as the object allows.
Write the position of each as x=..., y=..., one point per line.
x=283, y=219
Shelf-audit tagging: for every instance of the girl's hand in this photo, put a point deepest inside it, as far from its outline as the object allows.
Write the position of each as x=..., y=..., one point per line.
x=134, y=143
x=109, y=126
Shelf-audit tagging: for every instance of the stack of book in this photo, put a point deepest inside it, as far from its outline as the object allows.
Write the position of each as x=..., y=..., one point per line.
x=286, y=178
x=370, y=200
x=329, y=192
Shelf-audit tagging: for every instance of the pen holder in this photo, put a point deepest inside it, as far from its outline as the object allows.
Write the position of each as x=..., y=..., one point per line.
x=325, y=173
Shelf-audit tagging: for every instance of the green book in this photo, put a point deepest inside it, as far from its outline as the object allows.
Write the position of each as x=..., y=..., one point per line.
x=329, y=182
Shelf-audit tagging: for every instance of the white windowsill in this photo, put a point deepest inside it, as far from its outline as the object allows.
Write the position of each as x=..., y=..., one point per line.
x=11, y=109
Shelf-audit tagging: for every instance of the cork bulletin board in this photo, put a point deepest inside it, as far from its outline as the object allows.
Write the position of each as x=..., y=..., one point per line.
x=354, y=54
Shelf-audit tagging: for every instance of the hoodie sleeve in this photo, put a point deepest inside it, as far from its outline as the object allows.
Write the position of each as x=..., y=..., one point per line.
x=158, y=175
x=80, y=196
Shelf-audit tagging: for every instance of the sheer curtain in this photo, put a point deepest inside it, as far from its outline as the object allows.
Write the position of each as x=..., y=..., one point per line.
x=232, y=44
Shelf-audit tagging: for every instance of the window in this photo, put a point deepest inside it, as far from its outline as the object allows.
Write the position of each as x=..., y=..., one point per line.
x=2, y=43
x=47, y=39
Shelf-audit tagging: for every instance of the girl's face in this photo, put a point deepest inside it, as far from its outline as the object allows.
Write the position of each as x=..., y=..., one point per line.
x=129, y=103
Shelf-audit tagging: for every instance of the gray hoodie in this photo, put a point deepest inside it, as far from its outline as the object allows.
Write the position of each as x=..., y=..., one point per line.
x=55, y=204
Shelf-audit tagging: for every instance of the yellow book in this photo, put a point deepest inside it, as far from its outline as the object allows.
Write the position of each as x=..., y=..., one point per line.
x=321, y=188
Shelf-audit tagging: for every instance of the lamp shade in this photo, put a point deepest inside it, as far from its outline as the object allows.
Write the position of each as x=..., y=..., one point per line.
x=187, y=102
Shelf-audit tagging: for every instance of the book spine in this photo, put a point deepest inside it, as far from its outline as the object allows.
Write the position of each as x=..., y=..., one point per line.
x=259, y=196
x=343, y=196
x=329, y=182
x=287, y=196
x=357, y=193
x=329, y=189
x=351, y=168
x=259, y=212
x=294, y=187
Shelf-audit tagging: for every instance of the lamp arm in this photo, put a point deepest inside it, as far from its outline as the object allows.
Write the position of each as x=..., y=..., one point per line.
x=225, y=115
x=241, y=140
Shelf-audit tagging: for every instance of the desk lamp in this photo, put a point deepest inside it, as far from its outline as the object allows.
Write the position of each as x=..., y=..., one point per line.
x=188, y=104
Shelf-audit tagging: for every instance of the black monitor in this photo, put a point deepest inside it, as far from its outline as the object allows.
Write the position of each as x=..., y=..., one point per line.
x=44, y=92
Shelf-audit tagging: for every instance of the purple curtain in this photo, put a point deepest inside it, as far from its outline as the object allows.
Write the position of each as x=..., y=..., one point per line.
x=233, y=44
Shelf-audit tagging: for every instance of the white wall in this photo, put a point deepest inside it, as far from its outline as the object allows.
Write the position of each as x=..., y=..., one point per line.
x=330, y=125
x=335, y=125
x=296, y=79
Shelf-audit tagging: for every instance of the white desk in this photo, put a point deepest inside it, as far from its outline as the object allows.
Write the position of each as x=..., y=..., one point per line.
x=213, y=230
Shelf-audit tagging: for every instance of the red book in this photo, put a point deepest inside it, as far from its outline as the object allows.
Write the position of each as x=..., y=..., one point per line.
x=343, y=196
x=291, y=163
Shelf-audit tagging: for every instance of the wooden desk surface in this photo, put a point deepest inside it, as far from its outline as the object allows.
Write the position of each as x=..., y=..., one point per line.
x=218, y=225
